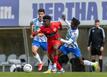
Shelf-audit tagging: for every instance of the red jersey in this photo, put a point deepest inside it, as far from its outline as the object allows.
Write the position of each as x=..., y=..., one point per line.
x=51, y=31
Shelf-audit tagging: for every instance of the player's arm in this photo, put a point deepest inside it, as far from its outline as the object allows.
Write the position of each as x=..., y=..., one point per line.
x=58, y=25
x=103, y=37
x=68, y=24
x=64, y=20
x=33, y=33
x=89, y=36
x=31, y=28
x=70, y=41
x=89, y=40
x=103, y=41
x=38, y=32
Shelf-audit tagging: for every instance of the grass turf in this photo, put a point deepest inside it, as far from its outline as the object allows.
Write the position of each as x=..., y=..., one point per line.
x=40, y=74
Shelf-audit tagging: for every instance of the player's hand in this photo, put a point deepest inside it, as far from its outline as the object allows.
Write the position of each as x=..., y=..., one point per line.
x=89, y=48
x=31, y=36
x=40, y=34
x=101, y=48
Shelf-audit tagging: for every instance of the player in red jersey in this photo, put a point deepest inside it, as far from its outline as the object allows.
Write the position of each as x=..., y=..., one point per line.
x=50, y=29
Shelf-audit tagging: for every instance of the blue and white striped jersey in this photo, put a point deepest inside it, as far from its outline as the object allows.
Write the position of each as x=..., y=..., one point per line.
x=37, y=24
x=72, y=35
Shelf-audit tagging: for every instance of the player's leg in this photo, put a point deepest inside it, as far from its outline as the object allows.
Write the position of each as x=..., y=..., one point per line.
x=77, y=53
x=63, y=59
x=63, y=51
x=56, y=45
x=35, y=47
x=78, y=62
x=52, y=51
x=95, y=65
x=50, y=58
x=100, y=63
x=100, y=60
x=88, y=63
x=44, y=46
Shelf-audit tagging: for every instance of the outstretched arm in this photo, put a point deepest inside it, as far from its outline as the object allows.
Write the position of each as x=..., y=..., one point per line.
x=64, y=21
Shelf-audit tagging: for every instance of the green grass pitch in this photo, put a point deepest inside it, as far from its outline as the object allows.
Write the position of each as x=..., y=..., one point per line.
x=66, y=74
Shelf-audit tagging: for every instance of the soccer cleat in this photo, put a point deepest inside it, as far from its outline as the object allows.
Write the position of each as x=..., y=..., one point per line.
x=47, y=72
x=96, y=66
x=60, y=72
x=40, y=66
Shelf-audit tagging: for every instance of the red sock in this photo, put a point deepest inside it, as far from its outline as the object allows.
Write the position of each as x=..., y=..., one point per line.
x=57, y=63
x=55, y=59
x=59, y=66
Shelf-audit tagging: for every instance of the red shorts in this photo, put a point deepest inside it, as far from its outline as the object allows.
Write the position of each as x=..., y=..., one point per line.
x=51, y=44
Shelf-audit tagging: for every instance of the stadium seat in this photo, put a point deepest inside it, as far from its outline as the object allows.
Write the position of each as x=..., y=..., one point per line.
x=23, y=57
x=11, y=56
x=2, y=58
x=3, y=61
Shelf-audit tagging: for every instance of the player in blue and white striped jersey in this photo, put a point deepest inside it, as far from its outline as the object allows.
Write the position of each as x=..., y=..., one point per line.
x=39, y=40
x=70, y=44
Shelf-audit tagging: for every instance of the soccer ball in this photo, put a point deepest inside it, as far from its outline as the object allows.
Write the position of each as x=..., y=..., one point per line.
x=27, y=68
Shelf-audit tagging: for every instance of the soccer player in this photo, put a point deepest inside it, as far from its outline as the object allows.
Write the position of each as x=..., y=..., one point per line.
x=39, y=40
x=96, y=43
x=50, y=29
x=70, y=44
